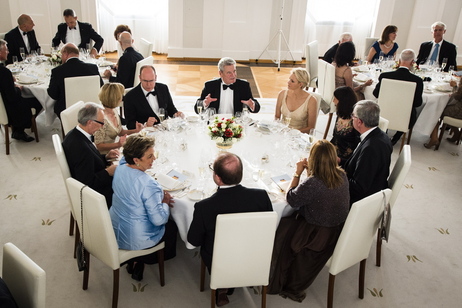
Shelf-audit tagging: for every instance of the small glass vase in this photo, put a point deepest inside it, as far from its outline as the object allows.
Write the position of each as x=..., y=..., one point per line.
x=225, y=145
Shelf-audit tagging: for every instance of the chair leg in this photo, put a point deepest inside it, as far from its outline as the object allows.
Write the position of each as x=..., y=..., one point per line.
x=263, y=296
x=71, y=224
x=34, y=128
x=330, y=291
x=62, y=130
x=328, y=125
x=440, y=138
x=378, y=252
x=212, y=298
x=409, y=135
x=115, y=288
x=77, y=239
x=86, y=271
x=7, y=139
x=201, y=287
x=402, y=142
x=160, y=258
x=362, y=274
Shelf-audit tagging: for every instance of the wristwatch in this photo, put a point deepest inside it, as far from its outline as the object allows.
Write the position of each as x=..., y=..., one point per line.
x=296, y=175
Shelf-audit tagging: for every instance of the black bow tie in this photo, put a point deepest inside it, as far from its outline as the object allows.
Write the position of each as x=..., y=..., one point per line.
x=92, y=138
x=24, y=33
x=72, y=28
x=152, y=92
x=231, y=86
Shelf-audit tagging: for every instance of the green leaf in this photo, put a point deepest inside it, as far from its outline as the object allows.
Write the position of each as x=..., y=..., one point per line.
x=408, y=258
x=447, y=231
x=43, y=222
x=135, y=289
x=142, y=288
x=380, y=293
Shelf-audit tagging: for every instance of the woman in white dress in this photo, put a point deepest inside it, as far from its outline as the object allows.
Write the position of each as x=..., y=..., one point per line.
x=111, y=95
x=296, y=103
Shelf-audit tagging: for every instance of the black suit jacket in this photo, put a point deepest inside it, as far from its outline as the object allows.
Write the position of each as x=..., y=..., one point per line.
x=86, y=33
x=241, y=92
x=330, y=54
x=369, y=166
x=18, y=112
x=72, y=68
x=86, y=164
x=137, y=108
x=236, y=199
x=15, y=41
x=405, y=75
x=127, y=67
x=447, y=50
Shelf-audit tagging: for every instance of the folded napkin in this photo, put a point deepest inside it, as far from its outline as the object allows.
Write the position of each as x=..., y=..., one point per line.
x=362, y=77
x=361, y=68
x=24, y=78
x=167, y=182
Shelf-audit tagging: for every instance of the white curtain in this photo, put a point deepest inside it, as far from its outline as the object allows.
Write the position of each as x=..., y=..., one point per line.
x=146, y=19
x=328, y=19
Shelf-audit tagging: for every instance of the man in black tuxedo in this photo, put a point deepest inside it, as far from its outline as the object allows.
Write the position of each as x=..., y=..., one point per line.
x=71, y=67
x=79, y=33
x=86, y=164
x=368, y=168
x=406, y=59
x=330, y=54
x=18, y=108
x=127, y=62
x=228, y=94
x=231, y=197
x=438, y=49
x=21, y=36
x=142, y=103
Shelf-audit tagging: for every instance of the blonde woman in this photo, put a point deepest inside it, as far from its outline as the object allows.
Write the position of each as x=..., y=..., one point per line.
x=296, y=103
x=111, y=95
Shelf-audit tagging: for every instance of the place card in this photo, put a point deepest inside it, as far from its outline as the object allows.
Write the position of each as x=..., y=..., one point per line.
x=282, y=181
x=177, y=175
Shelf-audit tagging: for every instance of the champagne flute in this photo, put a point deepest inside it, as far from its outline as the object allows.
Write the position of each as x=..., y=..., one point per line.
x=22, y=53
x=161, y=114
x=200, y=106
x=287, y=121
x=15, y=61
x=444, y=63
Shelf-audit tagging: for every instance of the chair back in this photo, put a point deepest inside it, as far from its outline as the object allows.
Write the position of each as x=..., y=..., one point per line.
x=24, y=278
x=368, y=44
x=97, y=232
x=311, y=56
x=242, y=249
x=318, y=98
x=146, y=61
x=3, y=114
x=326, y=83
x=354, y=243
x=69, y=116
x=82, y=88
x=62, y=161
x=145, y=48
x=399, y=173
x=395, y=100
x=2, y=35
x=383, y=124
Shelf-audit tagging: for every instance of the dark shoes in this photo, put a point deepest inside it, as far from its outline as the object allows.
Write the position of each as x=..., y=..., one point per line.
x=222, y=297
x=136, y=270
x=22, y=136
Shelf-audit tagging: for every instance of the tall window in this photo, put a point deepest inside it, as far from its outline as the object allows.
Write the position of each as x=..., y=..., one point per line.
x=146, y=19
x=326, y=20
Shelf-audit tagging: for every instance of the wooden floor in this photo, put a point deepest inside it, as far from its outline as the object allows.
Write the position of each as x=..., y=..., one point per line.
x=187, y=78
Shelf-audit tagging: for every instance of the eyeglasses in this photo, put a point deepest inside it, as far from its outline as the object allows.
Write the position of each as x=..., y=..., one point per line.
x=211, y=167
x=99, y=122
x=353, y=116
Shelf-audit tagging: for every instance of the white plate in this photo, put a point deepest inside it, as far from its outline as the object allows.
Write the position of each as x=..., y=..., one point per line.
x=23, y=82
x=443, y=88
x=195, y=195
x=192, y=118
x=179, y=187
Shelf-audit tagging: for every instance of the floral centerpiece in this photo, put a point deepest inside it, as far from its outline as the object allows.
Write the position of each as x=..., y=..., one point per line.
x=225, y=131
x=55, y=58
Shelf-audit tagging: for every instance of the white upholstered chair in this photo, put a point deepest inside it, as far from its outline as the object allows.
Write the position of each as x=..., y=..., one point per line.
x=395, y=99
x=326, y=87
x=355, y=241
x=98, y=235
x=69, y=117
x=4, y=121
x=24, y=278
x=383, y=124
x=145, y=48
x=395, y=182
x=146, y=61
x=448, y=121
x=311, y=56
x=82, y=88
x=368, y=44
x=242, y=252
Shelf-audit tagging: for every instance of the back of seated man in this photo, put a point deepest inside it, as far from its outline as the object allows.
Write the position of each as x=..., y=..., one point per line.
x=438, y=49
x=127, y=62
x=18, y=108
x=330, y=54
x=22, y=36
x=231, y=197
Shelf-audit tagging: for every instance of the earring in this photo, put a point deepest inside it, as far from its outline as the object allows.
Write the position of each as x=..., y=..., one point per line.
x=137, y=164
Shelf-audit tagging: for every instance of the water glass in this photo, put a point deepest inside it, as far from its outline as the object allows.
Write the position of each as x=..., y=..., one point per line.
x=161, y=114
x=211, y=112
x=15, y=61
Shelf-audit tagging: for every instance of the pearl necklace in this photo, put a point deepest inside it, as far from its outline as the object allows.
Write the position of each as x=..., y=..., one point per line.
x=387, y=46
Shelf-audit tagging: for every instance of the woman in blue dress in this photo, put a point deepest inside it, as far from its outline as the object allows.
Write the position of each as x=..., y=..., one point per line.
x=385, y=46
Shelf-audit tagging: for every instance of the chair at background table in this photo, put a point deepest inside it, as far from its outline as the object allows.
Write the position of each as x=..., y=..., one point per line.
x=24, y=278
x=368, y=44
x=4, y=121
x=326, y=87
x=145, y=48
x=82, y=88
x=355, y=241
x=69, y=117
x=99, y=238
x=146, y=61
x=311, y=58
x=383, y=124
x=448, y=121
x=242, y=252
x=395, y=99
x=395, y=182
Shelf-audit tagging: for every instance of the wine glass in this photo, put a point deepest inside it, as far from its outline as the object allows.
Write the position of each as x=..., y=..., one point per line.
x=444, y=63
x=161, y=114
x=287, y=121
x=211, y=112
x=22, y=53
x=381, y=56
x=15, y=61
x=200, y=106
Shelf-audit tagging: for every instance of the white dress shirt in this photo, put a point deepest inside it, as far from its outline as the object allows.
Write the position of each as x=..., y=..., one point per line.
x=73, y=36
x=152, y=100
x=26, y=40
x=226, y=101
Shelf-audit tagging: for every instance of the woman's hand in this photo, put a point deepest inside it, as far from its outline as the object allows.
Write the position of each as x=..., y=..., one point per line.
x=168, y=199
x=122, y=140
x=138, y=126
x=301, y=165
